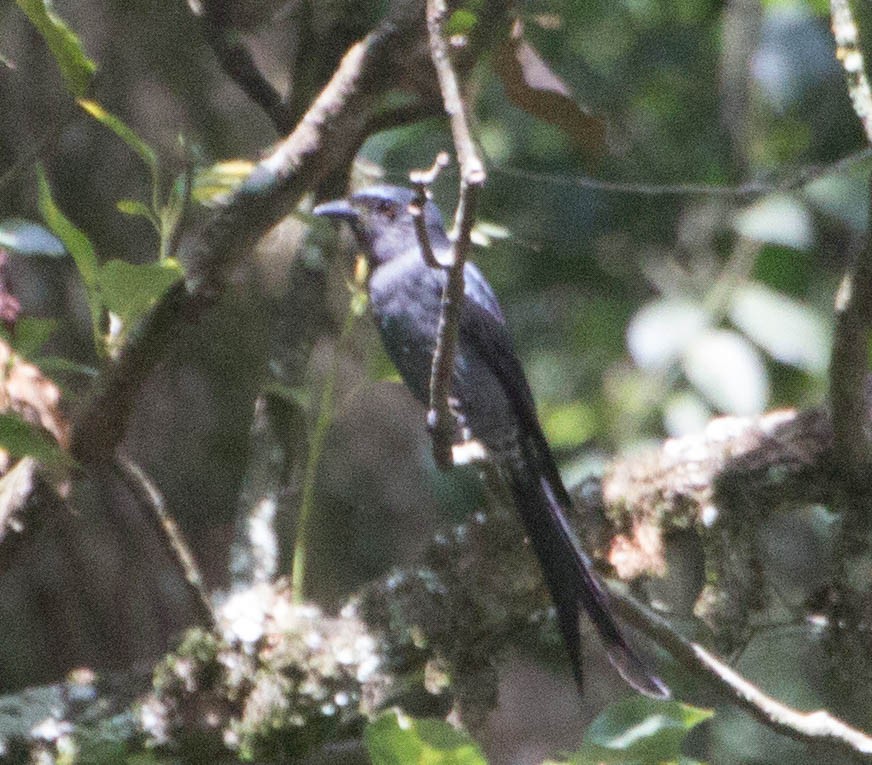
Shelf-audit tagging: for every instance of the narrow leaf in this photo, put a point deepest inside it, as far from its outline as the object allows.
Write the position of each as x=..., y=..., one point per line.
x=78, y=245
x=212, y=184
x=136, y=208
x=125, y=133
x=76, y=68
x=75, y=240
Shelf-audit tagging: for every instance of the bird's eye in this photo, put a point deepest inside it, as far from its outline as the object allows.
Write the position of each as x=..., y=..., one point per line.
x=386, y=208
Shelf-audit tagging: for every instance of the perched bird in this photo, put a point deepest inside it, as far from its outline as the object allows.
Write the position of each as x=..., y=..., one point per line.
x=492, y=397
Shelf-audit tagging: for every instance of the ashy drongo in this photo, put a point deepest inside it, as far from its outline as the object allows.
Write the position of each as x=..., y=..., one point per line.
x=491, y=395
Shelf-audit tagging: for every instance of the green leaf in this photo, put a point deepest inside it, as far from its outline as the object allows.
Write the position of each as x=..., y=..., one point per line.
x=174, y=208
x=135, y=207
x=639, y=730
x=126, y=134
x=55, y=365
x=25, y=237
x=31, y=334
x=77, y=244
x=76, y=68
x=130, y=290
x=22, y=439
x=380, y=368
x=75, y=240
x=395, y=738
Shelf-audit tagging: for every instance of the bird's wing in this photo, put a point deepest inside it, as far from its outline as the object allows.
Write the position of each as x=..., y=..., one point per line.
x=483, y=330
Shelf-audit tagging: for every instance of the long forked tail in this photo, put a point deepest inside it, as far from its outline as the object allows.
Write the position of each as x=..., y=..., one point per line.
x=571, y=582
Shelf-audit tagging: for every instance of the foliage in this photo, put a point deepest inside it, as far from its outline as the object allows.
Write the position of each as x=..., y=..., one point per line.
x=688, y=273
x=395, y=738
x=639, y=731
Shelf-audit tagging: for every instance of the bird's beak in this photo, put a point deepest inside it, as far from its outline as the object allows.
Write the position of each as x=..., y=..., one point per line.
x=340, y=209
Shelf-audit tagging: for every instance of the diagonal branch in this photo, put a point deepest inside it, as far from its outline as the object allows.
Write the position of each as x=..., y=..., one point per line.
x=814, y=728
x=238, y=64
x=337, y=119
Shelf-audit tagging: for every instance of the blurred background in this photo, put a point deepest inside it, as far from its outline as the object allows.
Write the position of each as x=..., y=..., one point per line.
x=689, y=272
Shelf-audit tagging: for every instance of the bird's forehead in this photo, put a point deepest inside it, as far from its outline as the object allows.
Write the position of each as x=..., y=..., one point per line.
x=376, y=195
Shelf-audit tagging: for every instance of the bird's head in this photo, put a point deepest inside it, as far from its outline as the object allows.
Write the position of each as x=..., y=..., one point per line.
x=382, y=221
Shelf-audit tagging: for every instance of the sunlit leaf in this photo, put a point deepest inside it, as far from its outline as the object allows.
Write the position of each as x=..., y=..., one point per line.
x=76, y=68
x=125, y=133
x=777, y=219
x=394, y=738
x=461, y=22
x=661, y=331
x=484, y=232
x=844, y=196
x=28, y=238
x=725, y=368
x=685, y=413
x=790, y=332
x=213, y=184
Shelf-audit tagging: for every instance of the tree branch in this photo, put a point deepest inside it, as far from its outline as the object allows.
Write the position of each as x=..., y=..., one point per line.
x=238, y=64
x=818, y=728
x=318, y=146
x=848, y=370
x=850, y=53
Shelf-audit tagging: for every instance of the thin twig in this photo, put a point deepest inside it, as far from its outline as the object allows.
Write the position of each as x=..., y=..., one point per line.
x=818, y=727
x=238, y=64
x=143, y=488
x=440, y=418
x=421, y=180
x=790, y=181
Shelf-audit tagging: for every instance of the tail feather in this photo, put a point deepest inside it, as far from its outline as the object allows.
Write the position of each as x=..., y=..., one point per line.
x=571, y=582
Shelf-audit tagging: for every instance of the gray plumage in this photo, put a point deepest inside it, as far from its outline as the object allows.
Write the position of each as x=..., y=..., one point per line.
x=493, y=396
